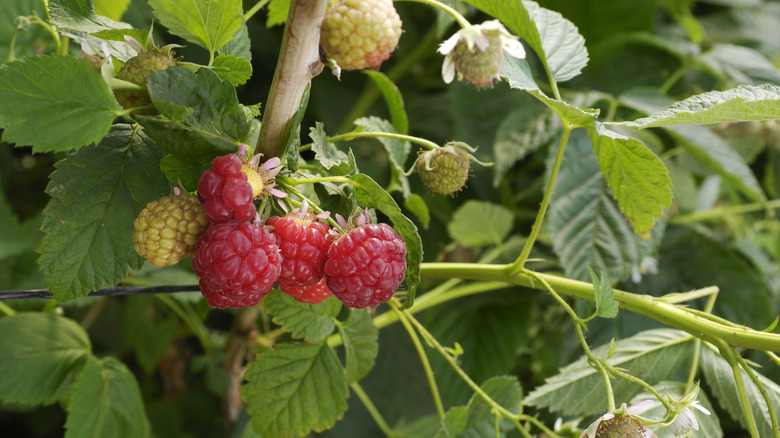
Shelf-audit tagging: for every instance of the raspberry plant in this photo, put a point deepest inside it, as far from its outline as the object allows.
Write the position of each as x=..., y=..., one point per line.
x=616, y=269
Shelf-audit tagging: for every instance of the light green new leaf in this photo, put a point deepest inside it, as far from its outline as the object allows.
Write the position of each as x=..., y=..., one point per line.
x=325, y=152
x=79, y=15
x=578, y=389
x=88, y=240
x=720, y=379
x=480, y=223
x=294, y=389
x=555, y=39
x=277, y=12
x=209, y=23
x=709, y=425
x=372, y=195
x=41, y=355
x=311, y=322
x=739, y=104
x=40, y=106
x=394, y=99
x=717, y=154
x=106, y=402
x=232, y=68
x=606, y=305
x=638, y=178
x=240, y=45
x=587, y=226
x=361, y=344
x=113, y=9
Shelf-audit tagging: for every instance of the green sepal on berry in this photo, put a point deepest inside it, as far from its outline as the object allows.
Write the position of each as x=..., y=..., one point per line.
x=359, y=34
x=137, y=69
x=167, y=230
x=444, y=170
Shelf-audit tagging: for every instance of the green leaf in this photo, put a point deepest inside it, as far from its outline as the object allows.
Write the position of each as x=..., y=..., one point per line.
x=106, y=402
x=578, y=389
x=606, y=305
x=397, y=151
x=311, y=322
x=147, y=331
x=480, y=223
x=741, y=64
x=717, y=154
x=293, y=137
x=24, y=42
x=96, y=192
x=477, y=418
x=209, y=23
x=176, y=169
x=277, y=12
x=113, y=9
x=394, y=99
x=585, y=222
x=294, y=389
x=79, y=15
x=739, y=104
x=233, y=69
x=41, y=355
x=638, y=178
x=361, y=344
x=419, y=208
x=454, y=423
x=720, y=379
x=240, y=45
x=372, y=195
x=211, y=122
x=709, y=425
x=39, y=106
x=555, y=39
x=325, y=152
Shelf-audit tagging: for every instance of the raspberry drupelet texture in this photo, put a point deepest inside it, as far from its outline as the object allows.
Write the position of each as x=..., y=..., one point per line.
x=238, y=263
x=445, y=169
x=366, y=265
x=304, y=245
x=360, y=34
x=313, y=294
x=137, y=70
x=225, y=191
x=167, y=229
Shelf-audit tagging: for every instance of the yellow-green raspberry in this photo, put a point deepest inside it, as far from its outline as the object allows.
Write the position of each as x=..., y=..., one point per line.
x=360, y=34
x=444, y=170
x=137, y=70
x=167, y=230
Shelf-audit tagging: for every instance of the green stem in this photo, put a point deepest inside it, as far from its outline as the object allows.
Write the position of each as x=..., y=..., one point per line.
x=697, y=347
x=773, y=357
x=192, y=321
x=730, y=355
x=93, y=313
x=724, y=211
x=8, y=310
x=537, y=227
x=644, y=384
x=690, y=296
x=423, y=358
x=353, y=135
x=669, y=314
x=663, y=89
x=459, y=18
x=764, y=394
x=254, y=9
x=372, y=410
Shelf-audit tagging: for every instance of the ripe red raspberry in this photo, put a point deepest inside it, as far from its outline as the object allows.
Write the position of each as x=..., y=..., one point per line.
x=237, y=263
x=366, y=265
x=167, y=229
x=360, y=34
x=137, y=70
x=313, y=294
x=304, y=246
x=225, y=191
x=445, y=170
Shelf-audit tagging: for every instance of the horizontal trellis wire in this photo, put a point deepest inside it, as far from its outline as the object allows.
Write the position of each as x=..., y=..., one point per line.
x=105, y=292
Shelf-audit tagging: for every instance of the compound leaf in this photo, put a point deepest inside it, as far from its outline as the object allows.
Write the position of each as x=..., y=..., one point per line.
x=361, y=344
x=88, y=240
x=294, y=389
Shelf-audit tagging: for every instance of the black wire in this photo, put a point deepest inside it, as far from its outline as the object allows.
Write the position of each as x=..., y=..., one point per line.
x=105, y=292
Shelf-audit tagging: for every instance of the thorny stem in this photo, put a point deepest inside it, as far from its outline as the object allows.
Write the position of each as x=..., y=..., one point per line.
x=455, y=14
x=403, y=318
x=299, y=62
x=519, y=264
x=371, y=408
x=371, y=134
x=697, y=344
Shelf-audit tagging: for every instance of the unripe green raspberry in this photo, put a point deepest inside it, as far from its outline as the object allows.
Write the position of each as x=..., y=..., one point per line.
x=136, y=70
x=444, y=170
x=168, y=229
x=360, y=34
x=481, y=68
x=623, y=426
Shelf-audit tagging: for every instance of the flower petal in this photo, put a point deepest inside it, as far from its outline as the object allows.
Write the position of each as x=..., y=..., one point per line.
x=513, y=47
x=700, y=408
x=483, y=42
x=448, y=70
x=447, y=46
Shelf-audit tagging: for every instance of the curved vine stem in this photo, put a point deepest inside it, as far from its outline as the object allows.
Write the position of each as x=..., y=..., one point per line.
x=439, y=5
x=730, y=355
x=372, y=410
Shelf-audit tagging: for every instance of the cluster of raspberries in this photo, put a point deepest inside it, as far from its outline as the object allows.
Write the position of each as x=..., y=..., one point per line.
x=239, y=260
